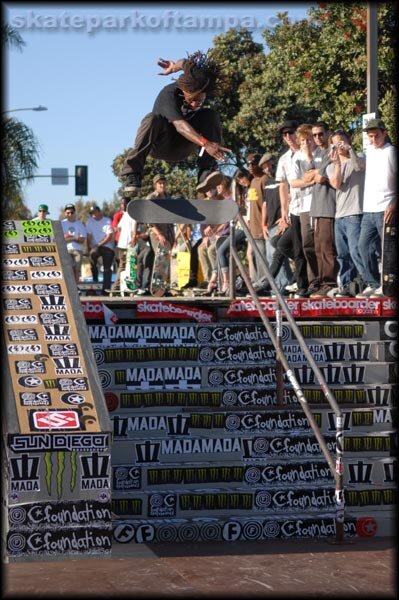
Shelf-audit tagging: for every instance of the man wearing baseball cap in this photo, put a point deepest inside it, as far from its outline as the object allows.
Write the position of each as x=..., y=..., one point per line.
x=100, y=244
x=379, y=203
x=42, y=213
x=74, y=235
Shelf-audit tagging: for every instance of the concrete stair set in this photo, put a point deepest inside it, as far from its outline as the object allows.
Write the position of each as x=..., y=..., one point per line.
x=141, y=424
x=201, y=451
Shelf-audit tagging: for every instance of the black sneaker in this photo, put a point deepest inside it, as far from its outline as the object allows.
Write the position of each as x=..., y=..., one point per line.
x=132, y=183
x=210, y=182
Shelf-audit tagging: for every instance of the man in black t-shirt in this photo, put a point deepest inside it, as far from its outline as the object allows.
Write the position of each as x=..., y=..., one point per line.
x=179, y=123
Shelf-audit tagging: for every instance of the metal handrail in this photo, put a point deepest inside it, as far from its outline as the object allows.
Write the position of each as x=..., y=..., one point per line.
x=337, y=467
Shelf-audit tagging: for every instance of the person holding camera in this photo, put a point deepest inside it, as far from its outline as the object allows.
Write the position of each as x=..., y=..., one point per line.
x=346, y=175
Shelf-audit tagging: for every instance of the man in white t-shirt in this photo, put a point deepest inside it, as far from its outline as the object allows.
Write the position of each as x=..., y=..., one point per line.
x=101, y=244
x=290, y=200
x=74, y=235
x=127, y=227
x=379, y=203
x=302, y=177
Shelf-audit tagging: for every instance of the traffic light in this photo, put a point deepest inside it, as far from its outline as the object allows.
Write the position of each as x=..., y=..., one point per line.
x=81, y=180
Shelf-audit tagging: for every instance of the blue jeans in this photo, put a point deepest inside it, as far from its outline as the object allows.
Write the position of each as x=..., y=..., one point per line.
x=223, y=248
x=370, y=243
x=347, y=235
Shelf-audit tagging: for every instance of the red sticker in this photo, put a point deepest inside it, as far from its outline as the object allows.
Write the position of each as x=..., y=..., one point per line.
x=57, y=419
x=111, y=400
x=366, y=527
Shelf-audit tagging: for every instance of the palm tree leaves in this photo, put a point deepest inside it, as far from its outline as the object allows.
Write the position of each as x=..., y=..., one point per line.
x=19, y=157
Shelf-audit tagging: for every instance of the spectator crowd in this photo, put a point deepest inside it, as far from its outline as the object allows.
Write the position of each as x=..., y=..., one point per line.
x=316, y=215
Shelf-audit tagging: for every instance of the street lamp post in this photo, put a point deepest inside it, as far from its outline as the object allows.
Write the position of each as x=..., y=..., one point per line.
x=37, y=108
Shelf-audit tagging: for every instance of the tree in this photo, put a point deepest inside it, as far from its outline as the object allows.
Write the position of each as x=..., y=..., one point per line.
x=240, y=60
x=20, y=149
x=181, y=177
x=20, y=154
x=316, y=69
x=11, y=37
x=312, y=69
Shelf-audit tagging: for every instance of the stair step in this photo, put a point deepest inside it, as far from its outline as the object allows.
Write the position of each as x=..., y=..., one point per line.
x=381, y=472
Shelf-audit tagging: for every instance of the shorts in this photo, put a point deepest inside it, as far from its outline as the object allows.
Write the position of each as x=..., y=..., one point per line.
x=76, y=258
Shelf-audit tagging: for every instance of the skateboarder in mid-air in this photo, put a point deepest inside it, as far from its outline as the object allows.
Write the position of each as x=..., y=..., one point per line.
x=179, y=124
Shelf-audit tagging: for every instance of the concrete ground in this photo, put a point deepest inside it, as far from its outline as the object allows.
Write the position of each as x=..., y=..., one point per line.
x=362, y=568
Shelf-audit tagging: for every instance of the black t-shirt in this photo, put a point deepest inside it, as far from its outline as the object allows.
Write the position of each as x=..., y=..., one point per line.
x=271, y=196
x=170, y=104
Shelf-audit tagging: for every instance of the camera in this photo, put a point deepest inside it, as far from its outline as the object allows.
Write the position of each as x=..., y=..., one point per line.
x=333, y=147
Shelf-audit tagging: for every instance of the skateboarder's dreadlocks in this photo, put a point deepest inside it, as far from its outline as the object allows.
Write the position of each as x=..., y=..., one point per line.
x=179, y=124
x=201, y=74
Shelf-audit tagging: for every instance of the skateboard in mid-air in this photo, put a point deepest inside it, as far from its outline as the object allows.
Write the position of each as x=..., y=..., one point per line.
x=389, y=268
x=160, y=280
x=181, y=210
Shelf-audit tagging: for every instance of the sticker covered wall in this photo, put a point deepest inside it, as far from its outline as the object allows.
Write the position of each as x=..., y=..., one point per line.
x=58, y=440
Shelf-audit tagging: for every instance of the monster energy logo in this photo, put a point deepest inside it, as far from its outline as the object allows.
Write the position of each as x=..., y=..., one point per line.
x=369, y=444
x=49, y=457
x=207, y=421
x=342, y=395
x=220, y=501
x=338, y=330
x=189, y=398
x=371, y=497
x=130, y=506
x=362, y=418
x=196, y=475
x=150, y=354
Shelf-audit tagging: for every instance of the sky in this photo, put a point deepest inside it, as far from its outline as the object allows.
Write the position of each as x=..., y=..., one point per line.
x=95, y=69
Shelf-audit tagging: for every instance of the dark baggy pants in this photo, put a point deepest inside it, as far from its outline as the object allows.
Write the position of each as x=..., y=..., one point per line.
x=108, y=255
x=145, y=261
x=158, y=138
x=307, y=234
x=291, y=242
x=324, y=243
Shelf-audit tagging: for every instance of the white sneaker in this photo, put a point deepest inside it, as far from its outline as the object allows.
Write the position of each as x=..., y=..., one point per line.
x=141, y=292
x=333, y=292
x=292, y=288
x=367, y=292
x=378, y=293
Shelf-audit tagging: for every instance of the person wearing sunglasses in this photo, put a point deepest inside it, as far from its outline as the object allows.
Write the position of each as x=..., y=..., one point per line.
x=320, y=132
x=289, y=241
x=75, y=236
x=322, y=213
x=42, y=213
